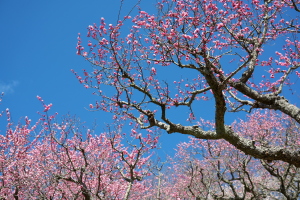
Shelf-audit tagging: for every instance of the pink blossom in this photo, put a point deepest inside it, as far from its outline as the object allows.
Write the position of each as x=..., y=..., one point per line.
x=47, y=107
x=220, y=25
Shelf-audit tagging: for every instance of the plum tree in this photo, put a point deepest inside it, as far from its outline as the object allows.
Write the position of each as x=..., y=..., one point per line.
x=239, y=55
x=52, y=160
x=215, y=169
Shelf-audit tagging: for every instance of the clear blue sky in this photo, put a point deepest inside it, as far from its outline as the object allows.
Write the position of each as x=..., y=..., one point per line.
x=38, y=40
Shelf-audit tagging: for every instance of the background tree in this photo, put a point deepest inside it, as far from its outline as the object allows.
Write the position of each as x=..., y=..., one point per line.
x=51, y=160
x=243, y=55
x=215, y=169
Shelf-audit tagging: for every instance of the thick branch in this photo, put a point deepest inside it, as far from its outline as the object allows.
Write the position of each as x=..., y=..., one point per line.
x=269, y=101
x=245, y=145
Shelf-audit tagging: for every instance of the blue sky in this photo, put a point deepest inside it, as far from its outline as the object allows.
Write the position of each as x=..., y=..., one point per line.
x=38, y=40
x=38, y=48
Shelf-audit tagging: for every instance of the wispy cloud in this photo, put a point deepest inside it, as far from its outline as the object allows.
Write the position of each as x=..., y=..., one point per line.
x=8, y=87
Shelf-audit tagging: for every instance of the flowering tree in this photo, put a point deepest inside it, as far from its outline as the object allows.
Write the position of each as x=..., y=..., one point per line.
x=51, y=160
x=210, y=169
x=192, y=51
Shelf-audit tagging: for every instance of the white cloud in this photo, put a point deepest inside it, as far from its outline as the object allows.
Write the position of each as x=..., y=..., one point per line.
x=8, y=87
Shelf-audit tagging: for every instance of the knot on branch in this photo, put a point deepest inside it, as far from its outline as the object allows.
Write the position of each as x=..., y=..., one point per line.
x=151, y=118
